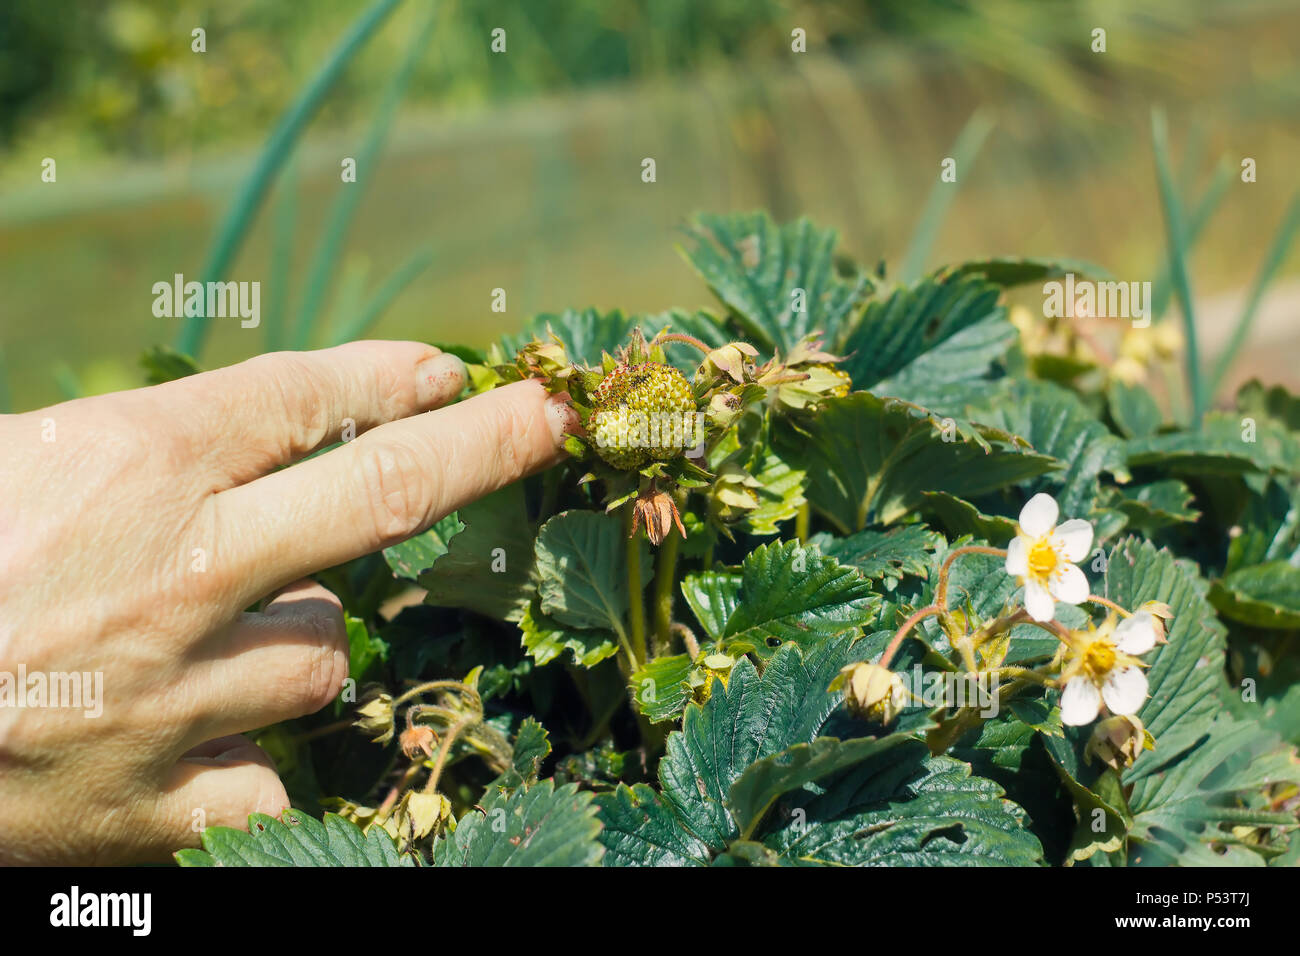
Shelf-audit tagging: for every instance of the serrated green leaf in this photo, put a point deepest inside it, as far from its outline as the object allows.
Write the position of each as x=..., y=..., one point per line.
x=960, y=517
x=1185, y=801
x=756, y=266
x=1157, y=505
x=1254, y=398
x=884, y=555
x=771, y=777
x=1226, y=444
x=792, y=594
x=1133, y=410
x=1263, y=595
x=489, y=567
x=539, y=826
x=713, y=596
x=906, y=808
x=659, y=687
x=871, y=460
x=582, y=579
x=779, y=498
x=545, y=639
x=1205, y=765
x=641, y=830
x=751, y=718
x=1055, y=422
x=297, y=840
x=921, y=342
x=1186, y=674
x=416, y=555
x=1010, y=271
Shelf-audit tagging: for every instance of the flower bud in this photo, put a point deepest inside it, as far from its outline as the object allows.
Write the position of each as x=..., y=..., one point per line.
x=417, y=740
x=732, y=360
x=709, y=667
x=1117, y=741
x=872, y=692
x=1160, y=614
x=419, y=814
x=375, y=716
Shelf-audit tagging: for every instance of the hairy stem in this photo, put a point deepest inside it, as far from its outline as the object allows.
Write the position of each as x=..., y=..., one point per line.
x=665, y=581
x=901, y=633
x=449, y=738
x=1107, y=602
x=635, y=599
x=433, y=685
x=683, y=338
x=941, y=589
x=688, y=640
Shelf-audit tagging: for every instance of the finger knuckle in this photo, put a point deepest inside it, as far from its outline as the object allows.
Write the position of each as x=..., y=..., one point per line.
x=514, y=450
x=303, y=399
x=326, y=667
x=396, y=491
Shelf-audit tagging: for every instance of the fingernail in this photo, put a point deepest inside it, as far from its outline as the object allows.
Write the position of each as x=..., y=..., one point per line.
x=562, y=417
x=439, y=380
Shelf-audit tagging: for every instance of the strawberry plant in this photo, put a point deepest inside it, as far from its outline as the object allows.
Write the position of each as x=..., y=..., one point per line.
x=843, y=571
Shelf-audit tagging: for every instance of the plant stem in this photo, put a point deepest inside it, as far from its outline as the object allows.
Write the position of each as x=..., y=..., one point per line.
x=433, y=685
x=1021, y=674
x=688, y=640
x=802, y=520
x=635, y=599
x=686, y=339
x=941, y=589
x=448, y=739
x=901, y=633
x=665, y=579
x=1098, y=599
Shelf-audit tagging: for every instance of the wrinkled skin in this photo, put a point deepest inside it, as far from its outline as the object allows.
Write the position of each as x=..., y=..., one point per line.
x=136, y=529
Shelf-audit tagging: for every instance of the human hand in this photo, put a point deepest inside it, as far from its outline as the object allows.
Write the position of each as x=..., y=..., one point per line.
x=136, y=527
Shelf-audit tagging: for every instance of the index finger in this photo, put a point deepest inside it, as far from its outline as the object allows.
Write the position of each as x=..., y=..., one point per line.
x=385, y=486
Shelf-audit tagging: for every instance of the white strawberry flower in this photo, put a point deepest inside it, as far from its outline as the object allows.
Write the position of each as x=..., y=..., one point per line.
x=1042, y=556
x=1103, y=667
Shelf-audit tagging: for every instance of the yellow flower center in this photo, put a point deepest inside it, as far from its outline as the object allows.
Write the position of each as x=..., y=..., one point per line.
x=1099, y=659
x=1042, y=558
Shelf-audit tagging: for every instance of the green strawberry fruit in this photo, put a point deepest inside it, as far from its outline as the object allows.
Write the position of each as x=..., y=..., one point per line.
x=642, y=413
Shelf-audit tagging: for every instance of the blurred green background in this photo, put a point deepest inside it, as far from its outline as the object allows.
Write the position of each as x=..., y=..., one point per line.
x=522, y=170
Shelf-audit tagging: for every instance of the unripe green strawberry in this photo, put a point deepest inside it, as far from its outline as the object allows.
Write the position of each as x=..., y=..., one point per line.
x=665, y=427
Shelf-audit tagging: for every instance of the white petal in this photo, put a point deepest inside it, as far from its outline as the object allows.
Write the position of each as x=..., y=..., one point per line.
x=1038, y=602
x=1038, y=516
x=1079, y=702
x=1068, y=584
x=1137, y=634
x=1125, y=690
x=1018, y=556
x=1075, y=539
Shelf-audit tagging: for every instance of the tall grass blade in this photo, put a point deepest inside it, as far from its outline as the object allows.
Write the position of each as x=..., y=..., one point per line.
x=324, y=262
x=234, y=227
x=1176, y=232
x=1162, y=289
x=384, y=296
x=1272, y=262
x=282, y=230
x=964, y=150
